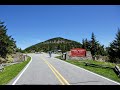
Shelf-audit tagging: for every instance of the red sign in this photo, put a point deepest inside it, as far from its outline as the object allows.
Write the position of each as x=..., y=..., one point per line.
x=77, y=52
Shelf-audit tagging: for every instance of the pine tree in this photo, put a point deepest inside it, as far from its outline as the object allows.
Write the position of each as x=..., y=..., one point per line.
x=114, y=49
x=93, y=46
x=7, y=44
x=83, y=44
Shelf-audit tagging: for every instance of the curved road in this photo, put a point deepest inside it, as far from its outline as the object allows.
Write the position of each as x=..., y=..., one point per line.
x=43, y=70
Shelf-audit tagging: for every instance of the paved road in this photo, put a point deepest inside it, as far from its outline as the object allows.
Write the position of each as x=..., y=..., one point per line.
x=44, y=70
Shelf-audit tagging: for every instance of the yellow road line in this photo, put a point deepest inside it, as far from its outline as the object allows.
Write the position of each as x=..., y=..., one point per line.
x=61, y=76
x=57, y=74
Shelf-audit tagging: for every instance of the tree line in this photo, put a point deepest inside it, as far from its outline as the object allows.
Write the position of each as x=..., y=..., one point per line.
x=94, y=46
x=112, y=51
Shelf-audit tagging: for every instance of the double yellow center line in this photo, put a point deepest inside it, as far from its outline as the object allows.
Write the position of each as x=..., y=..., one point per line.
x=62, y=80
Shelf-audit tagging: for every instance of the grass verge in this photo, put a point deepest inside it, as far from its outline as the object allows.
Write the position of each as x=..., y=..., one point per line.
x=106, y=72
x=11, y=71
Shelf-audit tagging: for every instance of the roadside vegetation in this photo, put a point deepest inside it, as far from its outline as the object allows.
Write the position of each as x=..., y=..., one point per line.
x=106, y=72
x=7, y=43
x=12, y=71
x=8, y=47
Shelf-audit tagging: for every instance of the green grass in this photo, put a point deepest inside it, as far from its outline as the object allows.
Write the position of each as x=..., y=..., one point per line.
x=106, y=72
x=11, y=71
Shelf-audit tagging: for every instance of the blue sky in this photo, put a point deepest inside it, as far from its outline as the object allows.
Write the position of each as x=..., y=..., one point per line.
x=31, y=24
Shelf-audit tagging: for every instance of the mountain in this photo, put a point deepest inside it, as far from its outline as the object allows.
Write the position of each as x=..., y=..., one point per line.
x=54, y=44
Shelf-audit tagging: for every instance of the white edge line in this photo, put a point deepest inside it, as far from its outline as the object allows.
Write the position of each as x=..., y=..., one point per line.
x=22, y=72
x=92, y=72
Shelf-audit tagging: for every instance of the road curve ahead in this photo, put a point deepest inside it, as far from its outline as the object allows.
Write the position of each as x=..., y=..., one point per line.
x=43, y=70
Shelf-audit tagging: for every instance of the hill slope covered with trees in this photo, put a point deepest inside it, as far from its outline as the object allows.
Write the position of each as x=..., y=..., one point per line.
x=54, y=44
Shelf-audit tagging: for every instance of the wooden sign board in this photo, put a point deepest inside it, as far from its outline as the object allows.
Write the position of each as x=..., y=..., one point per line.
x=77, y=52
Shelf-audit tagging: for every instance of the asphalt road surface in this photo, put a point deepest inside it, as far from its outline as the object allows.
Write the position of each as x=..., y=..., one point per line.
x=43, y=70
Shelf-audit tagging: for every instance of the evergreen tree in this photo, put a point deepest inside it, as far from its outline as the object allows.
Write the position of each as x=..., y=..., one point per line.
x=83, y=44
x=114, y=49
x=86, y=44
x=7, y=44
x=93, y=46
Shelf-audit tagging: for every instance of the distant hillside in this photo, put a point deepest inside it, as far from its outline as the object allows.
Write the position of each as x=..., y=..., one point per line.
x=54, y=44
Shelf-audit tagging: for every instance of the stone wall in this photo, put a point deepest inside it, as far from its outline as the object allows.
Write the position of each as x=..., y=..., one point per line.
x=18, y=57
x=68, y=57
x=102, y=58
